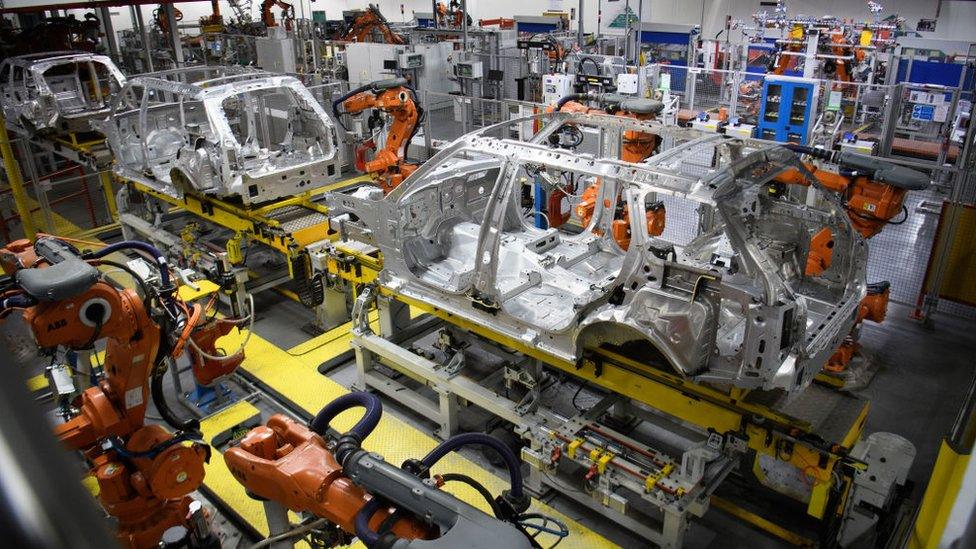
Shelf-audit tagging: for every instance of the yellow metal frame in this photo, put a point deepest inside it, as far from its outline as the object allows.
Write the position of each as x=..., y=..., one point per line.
x=939, y=498
x=16, y=181
x=15, y=177
x=254, y=222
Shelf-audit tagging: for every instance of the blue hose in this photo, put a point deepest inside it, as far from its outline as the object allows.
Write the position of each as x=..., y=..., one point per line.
x=363, y=531
x=18, y=300
x=365, y=426
x=467, y=439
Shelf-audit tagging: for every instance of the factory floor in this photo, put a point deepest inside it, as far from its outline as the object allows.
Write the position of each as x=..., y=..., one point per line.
x=921, y=379
x=922, y=375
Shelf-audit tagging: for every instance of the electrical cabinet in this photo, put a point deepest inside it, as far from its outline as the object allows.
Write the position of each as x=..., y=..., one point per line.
x=787, y=110
x=555, y=87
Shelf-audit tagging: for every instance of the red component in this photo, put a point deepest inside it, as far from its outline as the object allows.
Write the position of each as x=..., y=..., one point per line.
x=502, y=23
x=361, y=152
x=557, y=453
x=557, y=215
x=207, y=371
x=591, y=473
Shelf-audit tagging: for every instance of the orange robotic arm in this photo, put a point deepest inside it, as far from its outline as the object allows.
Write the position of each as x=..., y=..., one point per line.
x=293, y=467
x=362, y=28
x=393, y=97
x=287, y=12
x=145, y=474
x=872, y=189
x=288, y=463
x=637, y=146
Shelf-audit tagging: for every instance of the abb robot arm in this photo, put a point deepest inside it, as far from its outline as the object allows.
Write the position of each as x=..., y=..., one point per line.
x=287, y=13
x=303, y=470
x=395, y=98
x=873, y=191
x=145, y=473
x=362, y=28
x=636, y=147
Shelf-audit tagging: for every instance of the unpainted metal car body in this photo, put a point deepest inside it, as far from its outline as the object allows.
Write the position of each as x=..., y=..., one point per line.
x=222, y=131
x=58, y=91
x=732, y=305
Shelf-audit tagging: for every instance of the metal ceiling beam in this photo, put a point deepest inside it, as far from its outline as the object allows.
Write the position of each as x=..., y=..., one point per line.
x=90, y=5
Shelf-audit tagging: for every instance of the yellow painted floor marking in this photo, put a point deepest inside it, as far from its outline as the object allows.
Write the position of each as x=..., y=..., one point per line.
x=218, y=477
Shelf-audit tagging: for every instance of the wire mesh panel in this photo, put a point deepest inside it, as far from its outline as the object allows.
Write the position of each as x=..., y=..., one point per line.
x=900, y=253
x=675, y=78
x=711, y=90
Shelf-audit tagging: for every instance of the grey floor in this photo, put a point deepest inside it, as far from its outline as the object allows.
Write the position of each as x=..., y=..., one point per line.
x=921, y=380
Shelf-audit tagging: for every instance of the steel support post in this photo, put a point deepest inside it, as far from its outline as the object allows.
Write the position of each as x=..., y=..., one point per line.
x=109, y=30
x=144, y=32
x=277, y=517
x=174, y=33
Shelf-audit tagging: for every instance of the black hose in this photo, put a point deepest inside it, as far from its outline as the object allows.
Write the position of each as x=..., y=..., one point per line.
x=363, y=531
x=481, y=439
x=595, y=64
x=342, y=99
x=421, y=113
x=160, y=259
x=822, y=154
x=571, y=97
x=480, y=488
x=146, y=296
x=362, y=428
x=159, y=399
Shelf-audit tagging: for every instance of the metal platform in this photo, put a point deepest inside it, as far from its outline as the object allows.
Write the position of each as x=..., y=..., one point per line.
x=811, y=434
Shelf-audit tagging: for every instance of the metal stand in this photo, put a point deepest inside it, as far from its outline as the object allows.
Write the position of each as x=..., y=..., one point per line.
x=671, y=486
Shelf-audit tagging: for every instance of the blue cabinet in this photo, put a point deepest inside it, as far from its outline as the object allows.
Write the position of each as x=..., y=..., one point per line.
x=786, y=113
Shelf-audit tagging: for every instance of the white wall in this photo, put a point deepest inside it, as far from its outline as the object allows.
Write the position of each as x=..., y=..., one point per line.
x=957, y=20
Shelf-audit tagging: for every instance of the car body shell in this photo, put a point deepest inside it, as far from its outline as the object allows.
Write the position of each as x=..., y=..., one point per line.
x=40, y=93
x=731, y=306
x=224, y=132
